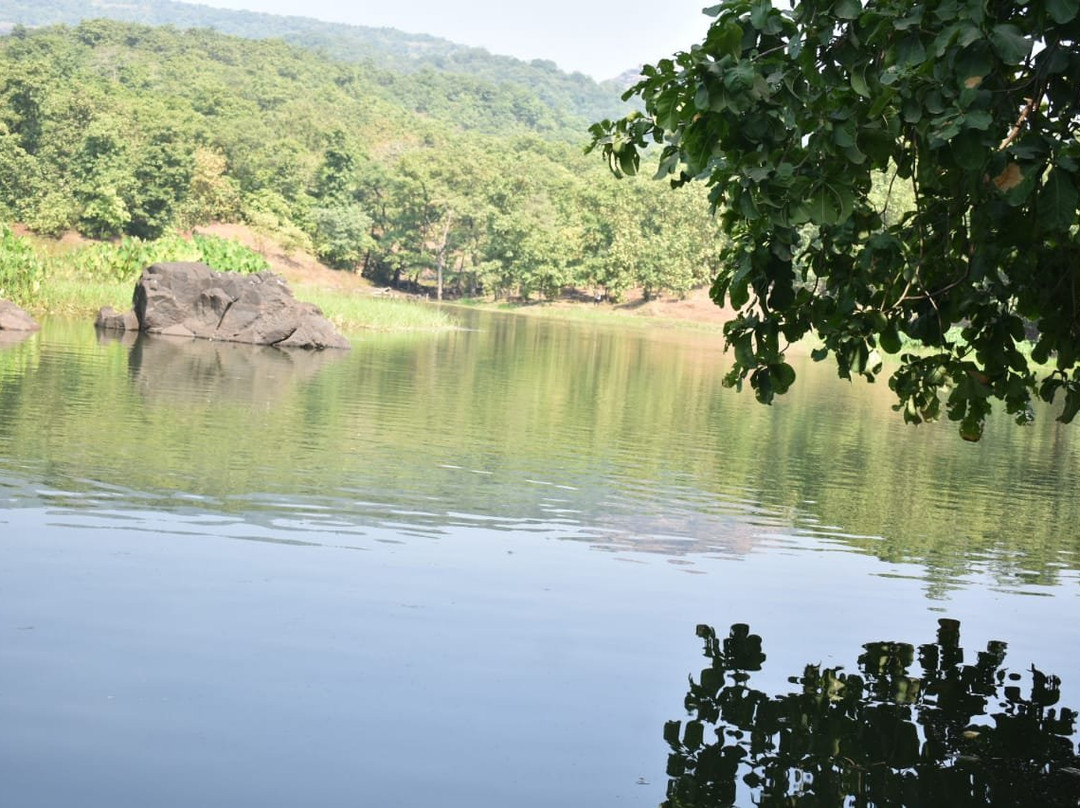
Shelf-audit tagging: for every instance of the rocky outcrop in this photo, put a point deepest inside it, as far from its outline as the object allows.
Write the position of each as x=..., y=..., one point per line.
x=192, y=300
x=12, y=318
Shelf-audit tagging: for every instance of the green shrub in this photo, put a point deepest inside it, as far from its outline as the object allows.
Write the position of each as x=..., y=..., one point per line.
x=125, y=260
x=21, y=270
x=228, y=256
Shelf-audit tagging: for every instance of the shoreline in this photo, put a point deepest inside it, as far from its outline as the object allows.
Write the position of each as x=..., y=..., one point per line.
x=353, y=303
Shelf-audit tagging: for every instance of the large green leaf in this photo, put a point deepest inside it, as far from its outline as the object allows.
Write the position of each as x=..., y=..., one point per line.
x=824, y=205
x=1010, y=44
x=759, y=15
x=1062, y=11
x=911, y=51
x=1058, y=201
x=1072, y=406
x=973, y=64
x=847, y=9
x=859, y=83
x=968, y=150
x=977, y=119
x=729, y=38
x=782, y=375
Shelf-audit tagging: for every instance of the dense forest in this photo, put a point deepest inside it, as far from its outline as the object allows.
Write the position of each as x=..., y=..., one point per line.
x=116, y=129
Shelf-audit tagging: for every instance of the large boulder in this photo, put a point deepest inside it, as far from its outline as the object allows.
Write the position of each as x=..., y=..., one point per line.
x=192, y=300
x=12, y=318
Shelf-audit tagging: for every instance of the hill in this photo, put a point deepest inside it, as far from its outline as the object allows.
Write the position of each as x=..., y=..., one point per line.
x=566, y=95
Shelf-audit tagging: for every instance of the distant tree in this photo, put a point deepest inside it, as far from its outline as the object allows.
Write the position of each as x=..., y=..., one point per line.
x=162, y=180
x=969, y=108
x=337, y=176
x=213, y=195
x=342, y=234
x=102, y=170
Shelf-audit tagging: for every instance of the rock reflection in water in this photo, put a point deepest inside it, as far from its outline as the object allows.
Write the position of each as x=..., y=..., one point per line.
x=172, y=368
x=951, y=734
x=9, y=337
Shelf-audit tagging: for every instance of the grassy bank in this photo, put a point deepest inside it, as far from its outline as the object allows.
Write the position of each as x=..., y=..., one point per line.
x=64, y=293
x=50, y=279
x=352, y=312
x=661, y=314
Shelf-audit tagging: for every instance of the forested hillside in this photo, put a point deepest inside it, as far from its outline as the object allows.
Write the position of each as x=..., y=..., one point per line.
x=570, y=94
x=119, y=129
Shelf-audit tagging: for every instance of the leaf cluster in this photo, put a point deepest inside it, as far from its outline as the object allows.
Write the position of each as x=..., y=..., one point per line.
x=21, y=268
x=796, y=119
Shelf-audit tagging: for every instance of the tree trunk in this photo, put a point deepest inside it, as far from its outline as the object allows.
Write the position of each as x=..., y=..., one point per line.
x=442, y=256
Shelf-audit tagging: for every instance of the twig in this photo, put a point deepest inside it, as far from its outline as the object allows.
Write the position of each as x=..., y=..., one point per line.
x=1015, y=131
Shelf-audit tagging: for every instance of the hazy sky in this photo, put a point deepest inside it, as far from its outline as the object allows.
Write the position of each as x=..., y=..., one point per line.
x=601, y=39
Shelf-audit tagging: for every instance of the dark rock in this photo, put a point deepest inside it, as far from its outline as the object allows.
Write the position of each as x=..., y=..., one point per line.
x=192, y=300
x=12, y=318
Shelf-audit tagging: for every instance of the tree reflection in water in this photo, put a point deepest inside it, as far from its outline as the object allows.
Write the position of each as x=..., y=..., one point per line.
x=951, y=734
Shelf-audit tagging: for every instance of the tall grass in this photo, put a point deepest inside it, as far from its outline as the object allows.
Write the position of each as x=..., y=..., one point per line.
x=68, y=294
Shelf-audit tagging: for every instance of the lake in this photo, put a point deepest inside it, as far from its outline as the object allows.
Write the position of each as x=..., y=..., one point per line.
x=468, y=568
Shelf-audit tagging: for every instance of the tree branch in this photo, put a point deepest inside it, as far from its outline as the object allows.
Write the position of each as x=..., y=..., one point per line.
x=1015, y=131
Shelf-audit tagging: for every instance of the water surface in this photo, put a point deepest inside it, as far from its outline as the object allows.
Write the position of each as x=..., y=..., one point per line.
x=467, y=568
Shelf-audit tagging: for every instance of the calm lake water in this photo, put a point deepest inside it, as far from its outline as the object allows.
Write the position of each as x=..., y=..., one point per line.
x=466, y=569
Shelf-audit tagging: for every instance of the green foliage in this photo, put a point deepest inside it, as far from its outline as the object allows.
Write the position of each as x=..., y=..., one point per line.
x=21, y=269
x=85, y=279
x=161, y=181
x=126, y=259
x=226, y=255
x=342, y=235
x=125, y=131
x=213, y=196
x=792, y=118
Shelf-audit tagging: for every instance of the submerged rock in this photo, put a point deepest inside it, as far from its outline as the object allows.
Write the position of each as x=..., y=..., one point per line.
x=192, y=300
x=12, y=318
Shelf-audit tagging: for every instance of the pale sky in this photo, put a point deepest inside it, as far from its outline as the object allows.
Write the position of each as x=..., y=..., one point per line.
x=601, y=39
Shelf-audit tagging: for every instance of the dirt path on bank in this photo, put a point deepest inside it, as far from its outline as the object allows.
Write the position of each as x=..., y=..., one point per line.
x=296, y=266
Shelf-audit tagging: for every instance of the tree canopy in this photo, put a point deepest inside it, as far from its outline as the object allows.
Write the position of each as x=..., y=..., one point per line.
x=116, y=129
x=809, y=124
